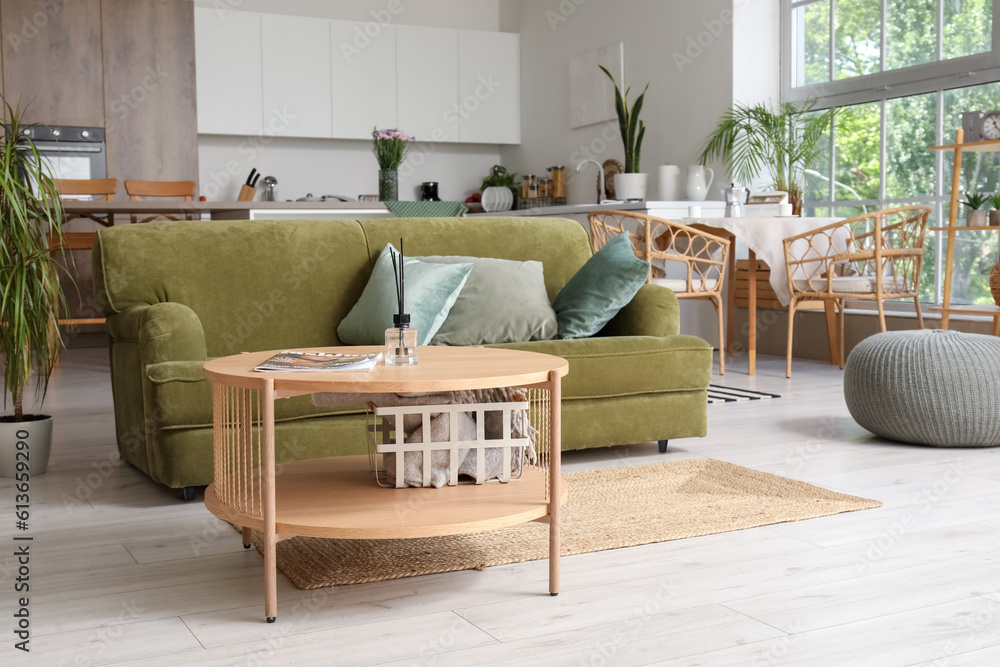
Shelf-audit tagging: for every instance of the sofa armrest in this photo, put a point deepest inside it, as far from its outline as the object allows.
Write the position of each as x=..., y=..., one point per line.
x=164, y=331
x=653, y=311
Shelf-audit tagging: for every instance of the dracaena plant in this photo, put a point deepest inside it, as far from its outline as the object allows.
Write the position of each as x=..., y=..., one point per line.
x=31, y=297
x=632, y=129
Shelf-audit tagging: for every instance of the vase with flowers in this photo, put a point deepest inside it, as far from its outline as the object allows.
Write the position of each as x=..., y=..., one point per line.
x=390, y=148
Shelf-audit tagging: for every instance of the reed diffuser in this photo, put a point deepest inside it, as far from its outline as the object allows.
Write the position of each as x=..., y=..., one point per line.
x=401, y=338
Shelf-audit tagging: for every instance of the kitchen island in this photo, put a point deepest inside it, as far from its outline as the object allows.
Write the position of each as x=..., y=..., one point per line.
x=119, y=211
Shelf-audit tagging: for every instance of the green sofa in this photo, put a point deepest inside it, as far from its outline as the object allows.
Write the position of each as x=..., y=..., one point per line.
x=178, y=293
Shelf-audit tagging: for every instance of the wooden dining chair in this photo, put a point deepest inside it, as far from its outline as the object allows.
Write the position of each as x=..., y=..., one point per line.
x=140, y=190
x=658, y=241
x=99, y=189
x=871, y=257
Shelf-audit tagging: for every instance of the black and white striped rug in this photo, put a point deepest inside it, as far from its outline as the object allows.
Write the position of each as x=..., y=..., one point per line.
x=720, y=394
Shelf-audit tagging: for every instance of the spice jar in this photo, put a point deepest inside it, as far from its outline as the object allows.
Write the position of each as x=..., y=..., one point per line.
x=545, y=187
x=558, y=180
x=527, y=185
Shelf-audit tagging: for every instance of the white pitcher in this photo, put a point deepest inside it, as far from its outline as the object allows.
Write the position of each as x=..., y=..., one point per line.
x=697, y=187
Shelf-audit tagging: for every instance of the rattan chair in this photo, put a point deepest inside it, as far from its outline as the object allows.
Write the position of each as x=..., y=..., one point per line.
x=871, y=257
x=659, y=241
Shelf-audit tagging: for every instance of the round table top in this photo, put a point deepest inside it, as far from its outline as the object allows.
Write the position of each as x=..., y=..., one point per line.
x=440, y=368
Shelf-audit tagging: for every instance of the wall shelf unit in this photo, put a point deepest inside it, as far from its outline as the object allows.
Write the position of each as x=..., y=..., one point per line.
x=958, y=148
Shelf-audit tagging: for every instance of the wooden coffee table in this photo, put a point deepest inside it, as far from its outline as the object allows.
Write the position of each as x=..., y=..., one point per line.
x=338, y=497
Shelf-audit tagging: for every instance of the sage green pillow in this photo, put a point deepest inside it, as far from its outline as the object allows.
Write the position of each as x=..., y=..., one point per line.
x=503, y=301
x=602, y=287
x=431, y=290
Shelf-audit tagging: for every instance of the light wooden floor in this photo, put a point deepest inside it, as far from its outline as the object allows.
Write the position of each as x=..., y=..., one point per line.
x=124, y=572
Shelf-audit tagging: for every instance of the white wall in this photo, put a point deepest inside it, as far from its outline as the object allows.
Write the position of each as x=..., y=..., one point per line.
x=345, y=167
x=691, y=84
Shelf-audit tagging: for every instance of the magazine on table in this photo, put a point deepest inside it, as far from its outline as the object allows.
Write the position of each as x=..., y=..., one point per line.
x=292, y=360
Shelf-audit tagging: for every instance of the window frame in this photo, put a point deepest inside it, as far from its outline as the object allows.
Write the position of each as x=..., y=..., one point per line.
x=901, y=82
x=877, y=88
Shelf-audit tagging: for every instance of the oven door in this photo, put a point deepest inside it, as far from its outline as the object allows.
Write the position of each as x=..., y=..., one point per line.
x=75, y=160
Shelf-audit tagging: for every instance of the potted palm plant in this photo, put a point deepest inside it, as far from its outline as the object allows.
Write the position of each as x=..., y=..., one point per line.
x=631, y=184
x=31, y=297
x=781, y=141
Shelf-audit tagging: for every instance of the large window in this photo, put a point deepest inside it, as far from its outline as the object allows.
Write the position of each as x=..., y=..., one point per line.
x=904, y=70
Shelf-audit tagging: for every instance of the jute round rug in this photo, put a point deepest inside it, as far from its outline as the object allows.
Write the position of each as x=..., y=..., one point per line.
x=606, y=509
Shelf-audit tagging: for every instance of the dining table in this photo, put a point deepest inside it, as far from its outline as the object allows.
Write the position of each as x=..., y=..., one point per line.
x=764, y=238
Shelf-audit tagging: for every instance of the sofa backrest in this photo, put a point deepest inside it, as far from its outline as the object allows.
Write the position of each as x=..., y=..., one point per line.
x=259, y=285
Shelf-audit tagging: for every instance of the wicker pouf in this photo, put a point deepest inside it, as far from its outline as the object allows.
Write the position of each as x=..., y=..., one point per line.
x=939, y=388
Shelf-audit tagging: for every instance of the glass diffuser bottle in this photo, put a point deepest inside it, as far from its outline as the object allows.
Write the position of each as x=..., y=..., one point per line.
x=401, y=338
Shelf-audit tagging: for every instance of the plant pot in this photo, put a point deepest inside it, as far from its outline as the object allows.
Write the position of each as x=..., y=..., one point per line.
x=630, y=187
x=976, y=219
x=995, y=218
x=27, y=442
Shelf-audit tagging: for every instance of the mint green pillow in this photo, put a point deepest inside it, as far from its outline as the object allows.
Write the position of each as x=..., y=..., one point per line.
x=431, y=291
x=602, y=287
x=504, y=301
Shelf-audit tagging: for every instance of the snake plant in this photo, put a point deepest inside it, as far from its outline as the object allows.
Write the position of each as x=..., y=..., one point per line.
x=632, y=129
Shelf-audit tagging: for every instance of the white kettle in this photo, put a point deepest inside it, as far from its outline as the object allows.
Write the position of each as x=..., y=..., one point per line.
x=697, y=186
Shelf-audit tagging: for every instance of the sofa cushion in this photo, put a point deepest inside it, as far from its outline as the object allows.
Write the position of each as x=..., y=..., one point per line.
x=600, y=289
x=430, y=292
x=503, y=301
x=628, y=365
x=562, y=246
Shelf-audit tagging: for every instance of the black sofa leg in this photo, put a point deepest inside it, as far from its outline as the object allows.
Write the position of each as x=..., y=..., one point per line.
x=189, y=491
x=663, y=445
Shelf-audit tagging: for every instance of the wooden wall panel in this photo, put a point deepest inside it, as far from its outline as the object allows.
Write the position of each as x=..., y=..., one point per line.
x=52, y=59
x=149, y=90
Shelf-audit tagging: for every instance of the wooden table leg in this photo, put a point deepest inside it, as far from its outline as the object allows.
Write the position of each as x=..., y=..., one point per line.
x=752, y=313
x=831, y=330
x=996, y=324
x=731, y=298
x=555, y=478
x=268, y=500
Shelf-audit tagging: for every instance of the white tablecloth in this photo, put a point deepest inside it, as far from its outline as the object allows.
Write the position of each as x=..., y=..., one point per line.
x=764, y=236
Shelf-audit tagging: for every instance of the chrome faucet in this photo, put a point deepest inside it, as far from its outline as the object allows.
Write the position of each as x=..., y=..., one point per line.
x=600, y=173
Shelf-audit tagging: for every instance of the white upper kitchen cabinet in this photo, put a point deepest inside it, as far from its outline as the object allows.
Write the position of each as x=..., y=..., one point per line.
x=228, y=69
x=363, y=67
x=489, y=87
x=427, y=82
x=296, y=76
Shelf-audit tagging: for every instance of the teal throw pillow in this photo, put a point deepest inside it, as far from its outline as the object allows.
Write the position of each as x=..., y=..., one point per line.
x=504, y=301
x=431, y=291
x=602, y=287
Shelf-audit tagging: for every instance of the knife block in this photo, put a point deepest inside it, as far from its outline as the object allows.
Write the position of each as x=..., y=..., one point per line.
x=247, y=193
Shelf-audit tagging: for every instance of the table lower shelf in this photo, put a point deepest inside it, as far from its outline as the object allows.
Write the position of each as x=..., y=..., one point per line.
x=338, y=497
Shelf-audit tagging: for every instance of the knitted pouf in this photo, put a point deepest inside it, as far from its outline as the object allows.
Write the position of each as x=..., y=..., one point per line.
x=930, y=387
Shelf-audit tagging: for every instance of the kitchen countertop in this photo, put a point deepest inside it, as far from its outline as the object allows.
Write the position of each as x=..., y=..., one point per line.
x=555, y=211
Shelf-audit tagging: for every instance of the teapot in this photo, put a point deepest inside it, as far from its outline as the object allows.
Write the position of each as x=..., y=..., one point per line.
x=735, y=198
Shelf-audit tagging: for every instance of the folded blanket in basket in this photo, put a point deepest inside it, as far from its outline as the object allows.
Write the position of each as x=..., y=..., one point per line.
x=440, y=432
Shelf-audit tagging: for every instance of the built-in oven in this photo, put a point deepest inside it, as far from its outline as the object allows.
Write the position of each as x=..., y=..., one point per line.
x=71, y=151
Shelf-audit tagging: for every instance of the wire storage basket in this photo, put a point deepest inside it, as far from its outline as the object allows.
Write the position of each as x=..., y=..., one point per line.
x=444, y=445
